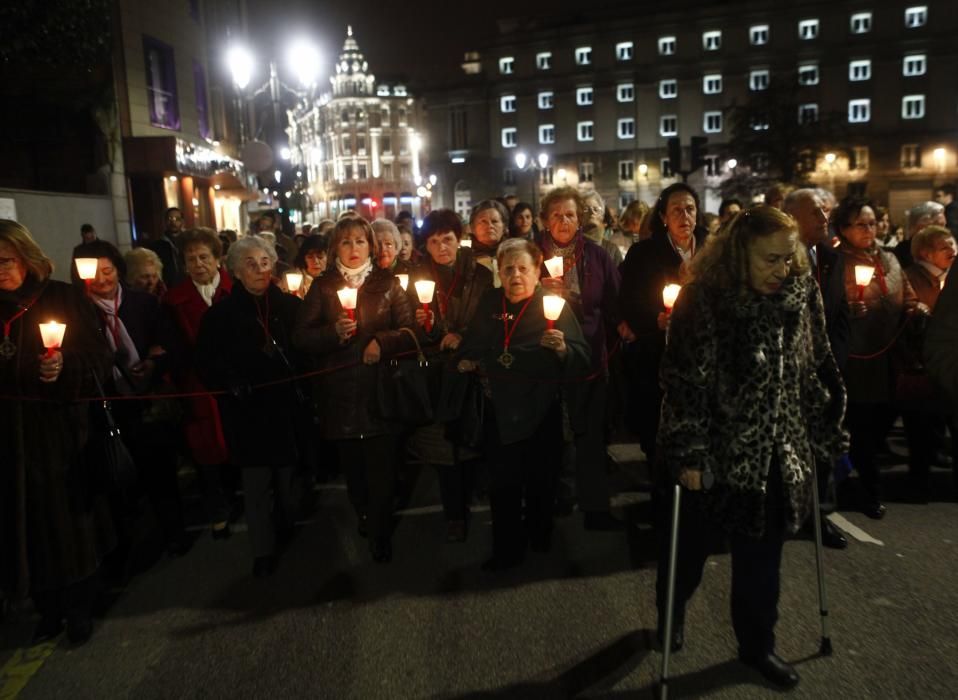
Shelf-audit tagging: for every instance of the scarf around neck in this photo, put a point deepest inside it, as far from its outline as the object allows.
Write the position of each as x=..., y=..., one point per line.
x=355, y=277
x=208, y=291
x=117, y=337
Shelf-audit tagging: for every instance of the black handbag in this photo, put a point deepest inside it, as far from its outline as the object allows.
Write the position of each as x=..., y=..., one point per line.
x=403, y=388
x=108, y=457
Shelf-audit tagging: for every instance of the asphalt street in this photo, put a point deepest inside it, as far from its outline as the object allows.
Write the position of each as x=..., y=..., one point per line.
x=576, y=622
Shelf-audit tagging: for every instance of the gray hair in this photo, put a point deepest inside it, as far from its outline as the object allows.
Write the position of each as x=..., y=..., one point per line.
x=385, y=226
x=137, y=259
x=794, y=199
x=594, y=195
x=919, y=211
x=243, y=247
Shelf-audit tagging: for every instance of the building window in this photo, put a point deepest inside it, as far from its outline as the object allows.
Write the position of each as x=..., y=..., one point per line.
x=363, y=173
x=626, y=128
x=624, y=51
x=544, y=60
x=859, y=111
x=458, y=128
x=668, y=125
x=913, y=65
x=584, y=131
x=712, y=41
x=665, y=167
x=583, y=96
x=808, y=29
x=859, y=158
x=712, y=122
x=808, y=113
x=361, y=144
x=348, y=172
x=547, y=133
x=910, y=156
x=625, y=199
x=666, y=45
x=668, y=89
x=625, y=92
x=202, y=107
x=808, y=74
x=347, y=144
x=712, y=166
x=712, y=84
x=161, y=84
x=912, y=106
x=509, y=137
x=916, y=16
x=404, y=173
x=507, y=103
x=401, y=116
x=583, y=55
x=758, y=79
x=586, y=171
x=546, y=100
x=509, y=176
x=387, y=171
x=547, y=175
x=860, y=70
x=759, y=122
x=626, y=170
x=759, y=162
x=758, y=34
x=861, y=22
x=507, y=65
x=386, y=143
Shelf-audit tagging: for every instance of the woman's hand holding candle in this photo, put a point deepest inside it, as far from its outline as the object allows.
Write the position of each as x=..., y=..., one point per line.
x=554, y=339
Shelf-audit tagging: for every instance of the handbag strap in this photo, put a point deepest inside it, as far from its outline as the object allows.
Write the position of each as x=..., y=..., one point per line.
x=110, y=423
x=415, y=339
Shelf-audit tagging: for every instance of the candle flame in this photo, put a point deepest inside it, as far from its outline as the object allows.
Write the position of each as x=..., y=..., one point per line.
x=669, y=294
x=863, y=275
x=347, y=297
x=552, y=306
x=425, y=290
x=52, y=334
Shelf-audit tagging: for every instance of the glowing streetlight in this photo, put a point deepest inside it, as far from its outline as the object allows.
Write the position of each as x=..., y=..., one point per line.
x=284, y=153
x=830, y=158
x=304, y=61
x=521, y=160
x=939, y=155
x=543, y=160
x=278, y=175
x=433, y=180
x=732, y=164
x=643, y=169
x=240, y=63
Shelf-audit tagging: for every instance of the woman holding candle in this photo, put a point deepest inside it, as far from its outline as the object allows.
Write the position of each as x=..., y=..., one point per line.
x=524, y=364
x=880, y=303
x=487, y=224
x=54, y=530
x=310, y=262
x=367, y=444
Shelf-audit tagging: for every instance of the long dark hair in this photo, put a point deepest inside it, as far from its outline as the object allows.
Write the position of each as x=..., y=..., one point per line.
x=516, y=210
x=658, y=225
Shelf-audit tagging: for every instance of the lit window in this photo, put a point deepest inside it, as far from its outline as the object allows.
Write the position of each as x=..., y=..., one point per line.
x=910, y=156
x=548, y=175
x=859, y=158
x=626, y=170
x=913, y=65
x=546, y=100
x=544, y=60
x=665, y=167
x=583, y=55
x=625, y=199
x=626, y=128
x=861, y=22
x=624, y=51
x=712, y=84
x=808, y=74
x=808, y=113
x=586, y=171
x=916, y=16
x=712, y=122
x=547, y=133
x=912, y=106
x=758, y=79
x=583, y=96
x=759, y=122
x=668, y=89
x=507, y=103
x=507, y=65
x=860, y=70
x=666, y=45
x=669, y=125
x=712, y=166
x=758, y=34
x=859, y=111
x=808, y=29
x=509, y=176
x=509, y=137
x=584, y=131
x=625, y=92
x=399, y=91
x=712, y=41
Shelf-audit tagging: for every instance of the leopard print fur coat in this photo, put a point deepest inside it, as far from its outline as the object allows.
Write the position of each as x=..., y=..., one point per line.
x=749, y=379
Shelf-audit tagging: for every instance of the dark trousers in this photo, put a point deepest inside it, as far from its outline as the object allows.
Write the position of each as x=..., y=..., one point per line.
x=264, y=515
x=72, y=601
x=523, y=470
x=370, y=467
x=868, y=425
x=455, y=485
x=214, y=492
x=591, y=474
x=755, y=567
x=154, y=452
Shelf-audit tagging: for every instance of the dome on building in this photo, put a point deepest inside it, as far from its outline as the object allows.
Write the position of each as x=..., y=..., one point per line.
x=352, y=77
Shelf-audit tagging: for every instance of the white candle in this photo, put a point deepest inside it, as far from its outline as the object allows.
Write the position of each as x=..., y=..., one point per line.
x=555, y=266
x=294, y=280
x=425, y=290
x=52, y=334
x=86, y=268
x=347, y=297
x=466, y=243
x=669, y=294
x=863, y=275
x=552, y=306
x=403, y=281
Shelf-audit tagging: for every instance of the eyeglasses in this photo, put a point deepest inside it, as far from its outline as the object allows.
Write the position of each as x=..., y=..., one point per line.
x=595, y=210
x=863, y=225
x=8, y=263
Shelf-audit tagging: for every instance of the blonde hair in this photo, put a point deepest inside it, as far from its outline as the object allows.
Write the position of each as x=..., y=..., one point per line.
x=139, y=258
x=925, y=240
x=38, y=265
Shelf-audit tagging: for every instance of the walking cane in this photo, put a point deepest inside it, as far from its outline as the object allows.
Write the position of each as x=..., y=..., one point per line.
x=826, y=646
x=670, y=599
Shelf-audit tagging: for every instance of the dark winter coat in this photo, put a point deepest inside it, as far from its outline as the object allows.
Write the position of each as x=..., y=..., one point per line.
x=346, y=395
x=941, y=341
x=829, y=272
x=747, y=381
x=246, y=341
x=53, y=530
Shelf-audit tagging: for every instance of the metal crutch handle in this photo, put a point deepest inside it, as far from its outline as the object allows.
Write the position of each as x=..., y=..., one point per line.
x=670, y=599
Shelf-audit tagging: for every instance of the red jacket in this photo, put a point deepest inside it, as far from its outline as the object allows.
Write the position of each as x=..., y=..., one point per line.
x=204, y=430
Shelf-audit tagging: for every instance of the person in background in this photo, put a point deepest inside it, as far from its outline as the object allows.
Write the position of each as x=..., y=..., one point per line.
x=728, y=209
x=87, y=236
x=408, y=253
x=933, y=249
x=522, y=223
x=918, y=217
x=884, y=233
x=712, y=223
x=632, y=219
x=945, y=196
x=389, y=243
x=311, y=262
x=166, y=246
x=144, y=272
x=775, y=195
x=596, y=226
x=488, y=224
x=941, y=360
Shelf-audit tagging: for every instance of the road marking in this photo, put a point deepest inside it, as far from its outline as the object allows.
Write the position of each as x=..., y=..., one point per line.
x=23, y=666
x=842, y=523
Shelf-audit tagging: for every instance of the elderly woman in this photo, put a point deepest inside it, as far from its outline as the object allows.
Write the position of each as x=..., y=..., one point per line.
x=597, y=226
x=753, y=398
x=310, y=261
x=632, y=219
x=522, y=223
x=878, y=311
x=144, y=272
x=245, y=342
x=407, y=253
x=187, y=303
x=354, y=345
x=389, y=244
x=487, y=224
x=933, y=249
x=523, y=361
x=53, y=531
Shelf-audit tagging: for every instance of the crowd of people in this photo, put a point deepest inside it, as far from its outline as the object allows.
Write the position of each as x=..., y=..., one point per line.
x=496, y=349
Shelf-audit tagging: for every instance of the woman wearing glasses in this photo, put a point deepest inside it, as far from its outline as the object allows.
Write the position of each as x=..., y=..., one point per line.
x=596, y=225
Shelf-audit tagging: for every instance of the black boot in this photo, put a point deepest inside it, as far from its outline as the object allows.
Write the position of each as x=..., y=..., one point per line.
x=774, y=668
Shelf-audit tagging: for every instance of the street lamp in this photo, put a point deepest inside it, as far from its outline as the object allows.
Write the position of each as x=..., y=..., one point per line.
x=541, y=162
x=732, y=164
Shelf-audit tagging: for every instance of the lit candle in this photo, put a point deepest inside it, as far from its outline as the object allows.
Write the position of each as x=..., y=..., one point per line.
x=669, y=294
x=294, y=280
x=86, y=268
x=466, y=243
x=555, y=266
x=863, y=277
x=552, y=307
x=403, y=281
x=52, y=334
x=425, y=290
x=347, y=297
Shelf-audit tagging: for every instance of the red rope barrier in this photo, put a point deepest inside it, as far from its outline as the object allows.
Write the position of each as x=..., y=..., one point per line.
x=888, y=347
